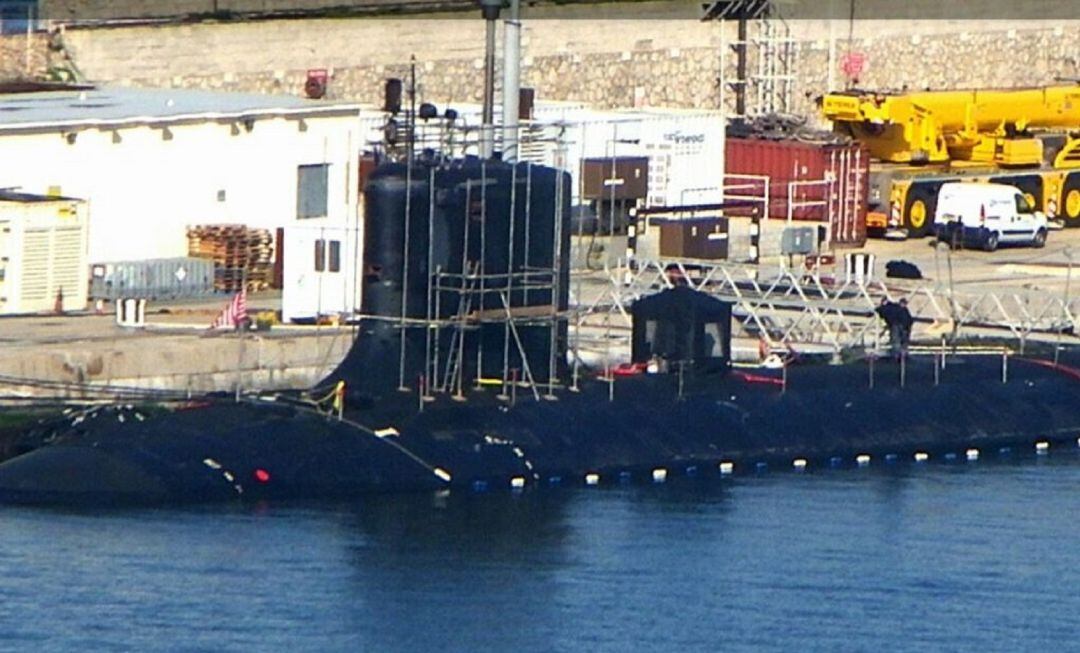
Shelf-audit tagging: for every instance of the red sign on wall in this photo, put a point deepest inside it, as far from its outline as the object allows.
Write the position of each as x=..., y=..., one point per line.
x=853, y=64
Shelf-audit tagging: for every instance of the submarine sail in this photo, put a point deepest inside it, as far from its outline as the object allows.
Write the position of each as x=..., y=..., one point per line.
x=465, y=276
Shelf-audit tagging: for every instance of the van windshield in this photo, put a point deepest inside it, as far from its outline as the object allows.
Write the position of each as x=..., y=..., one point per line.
x=1023, y=205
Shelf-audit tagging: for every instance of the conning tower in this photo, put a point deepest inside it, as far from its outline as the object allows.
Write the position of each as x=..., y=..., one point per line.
x=465, y=277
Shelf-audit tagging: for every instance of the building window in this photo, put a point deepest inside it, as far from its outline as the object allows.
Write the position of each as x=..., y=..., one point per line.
x=335, y=256
x=320, y=255
x=17, y=16
x=311, y=190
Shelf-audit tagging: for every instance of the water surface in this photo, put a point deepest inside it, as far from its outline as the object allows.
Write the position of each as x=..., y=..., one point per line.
x=964, y=556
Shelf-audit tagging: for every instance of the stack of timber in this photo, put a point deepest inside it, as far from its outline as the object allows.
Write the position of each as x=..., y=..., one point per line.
x=243, y=256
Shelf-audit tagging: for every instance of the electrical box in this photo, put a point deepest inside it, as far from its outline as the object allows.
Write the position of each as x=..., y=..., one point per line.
x=43, y=244
x=615, y=178
x=798, y=240
x=693, y=238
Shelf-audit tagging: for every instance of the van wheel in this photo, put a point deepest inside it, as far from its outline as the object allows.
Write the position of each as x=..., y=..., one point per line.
x=1040, y=239
x=991, y=242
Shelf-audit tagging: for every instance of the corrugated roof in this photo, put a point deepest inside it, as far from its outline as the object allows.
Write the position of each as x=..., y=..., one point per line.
x=15, y=196
x=111, y=107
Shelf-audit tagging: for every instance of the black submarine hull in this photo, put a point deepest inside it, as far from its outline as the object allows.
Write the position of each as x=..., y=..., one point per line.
x=647, y=430
x=459, y=379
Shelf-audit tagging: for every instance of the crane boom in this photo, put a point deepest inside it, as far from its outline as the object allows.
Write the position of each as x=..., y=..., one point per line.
x=977, y=125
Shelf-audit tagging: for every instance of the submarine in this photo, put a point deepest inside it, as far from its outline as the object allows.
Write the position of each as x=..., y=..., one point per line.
x=461, y=376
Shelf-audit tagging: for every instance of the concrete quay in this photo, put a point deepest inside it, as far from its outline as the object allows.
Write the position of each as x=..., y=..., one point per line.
x=175, y=351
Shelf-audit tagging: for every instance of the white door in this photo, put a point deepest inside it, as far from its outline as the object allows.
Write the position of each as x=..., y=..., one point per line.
x=1024, y=221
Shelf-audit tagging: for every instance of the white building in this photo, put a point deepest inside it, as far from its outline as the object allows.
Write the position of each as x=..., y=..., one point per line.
x=152, y=162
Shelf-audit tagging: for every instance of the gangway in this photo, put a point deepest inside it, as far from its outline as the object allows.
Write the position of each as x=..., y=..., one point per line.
x=788, y=308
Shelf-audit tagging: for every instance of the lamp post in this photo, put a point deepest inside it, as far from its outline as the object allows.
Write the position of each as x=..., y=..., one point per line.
x=511, y=81
x=489, y=9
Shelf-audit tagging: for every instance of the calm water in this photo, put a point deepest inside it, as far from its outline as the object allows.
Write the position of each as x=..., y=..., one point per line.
x=982, y=556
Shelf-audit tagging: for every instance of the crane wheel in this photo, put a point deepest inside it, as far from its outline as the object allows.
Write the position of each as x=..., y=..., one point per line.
x=919, y=211
x=1070, y=201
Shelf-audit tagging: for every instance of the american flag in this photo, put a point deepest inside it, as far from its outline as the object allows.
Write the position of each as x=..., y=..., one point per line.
x=235, y=312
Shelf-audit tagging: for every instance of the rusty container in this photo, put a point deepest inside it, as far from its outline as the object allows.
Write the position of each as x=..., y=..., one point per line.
x=822, y=182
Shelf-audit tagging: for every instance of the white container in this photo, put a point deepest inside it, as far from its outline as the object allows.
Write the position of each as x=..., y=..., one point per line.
x=42, y=253
x=685, y=148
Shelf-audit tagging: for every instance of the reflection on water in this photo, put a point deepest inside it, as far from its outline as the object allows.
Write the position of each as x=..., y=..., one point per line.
x=931, y=556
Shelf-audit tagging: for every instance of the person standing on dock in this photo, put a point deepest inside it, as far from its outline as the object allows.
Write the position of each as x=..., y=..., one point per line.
x=906, y=322
x=898, y=320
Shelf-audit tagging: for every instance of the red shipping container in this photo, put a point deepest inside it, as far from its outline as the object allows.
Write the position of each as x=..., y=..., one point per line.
x=807, y=181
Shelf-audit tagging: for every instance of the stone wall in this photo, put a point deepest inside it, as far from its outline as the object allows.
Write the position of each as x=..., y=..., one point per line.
x=909, y=10
x=110, y=10
x=22, y=56
x=1004, y=58
x=611, y=63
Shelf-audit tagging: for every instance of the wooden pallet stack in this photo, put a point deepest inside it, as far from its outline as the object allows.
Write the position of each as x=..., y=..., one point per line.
x=242, y=255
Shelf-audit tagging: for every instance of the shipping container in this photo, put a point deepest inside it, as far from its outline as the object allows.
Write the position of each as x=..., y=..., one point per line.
x=821, y=182
x=43, y=244
x=163, y=278
x=684, y=147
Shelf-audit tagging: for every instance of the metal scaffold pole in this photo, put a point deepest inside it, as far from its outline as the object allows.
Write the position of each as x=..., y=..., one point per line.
x=430, y=329
x=556, y=288
x=509, y=277
x=405, y=277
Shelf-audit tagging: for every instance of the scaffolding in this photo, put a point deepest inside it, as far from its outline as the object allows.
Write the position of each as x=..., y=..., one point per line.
x=777, y=58
x=763, y=37
x=462, y=301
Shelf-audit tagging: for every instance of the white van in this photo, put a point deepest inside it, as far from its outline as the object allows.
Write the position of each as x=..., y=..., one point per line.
x=987, y=215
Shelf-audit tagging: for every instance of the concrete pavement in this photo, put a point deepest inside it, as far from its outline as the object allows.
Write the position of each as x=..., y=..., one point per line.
x=175, y=351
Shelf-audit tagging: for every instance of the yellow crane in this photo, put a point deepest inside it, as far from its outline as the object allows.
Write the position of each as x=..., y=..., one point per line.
x=1027, y=137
